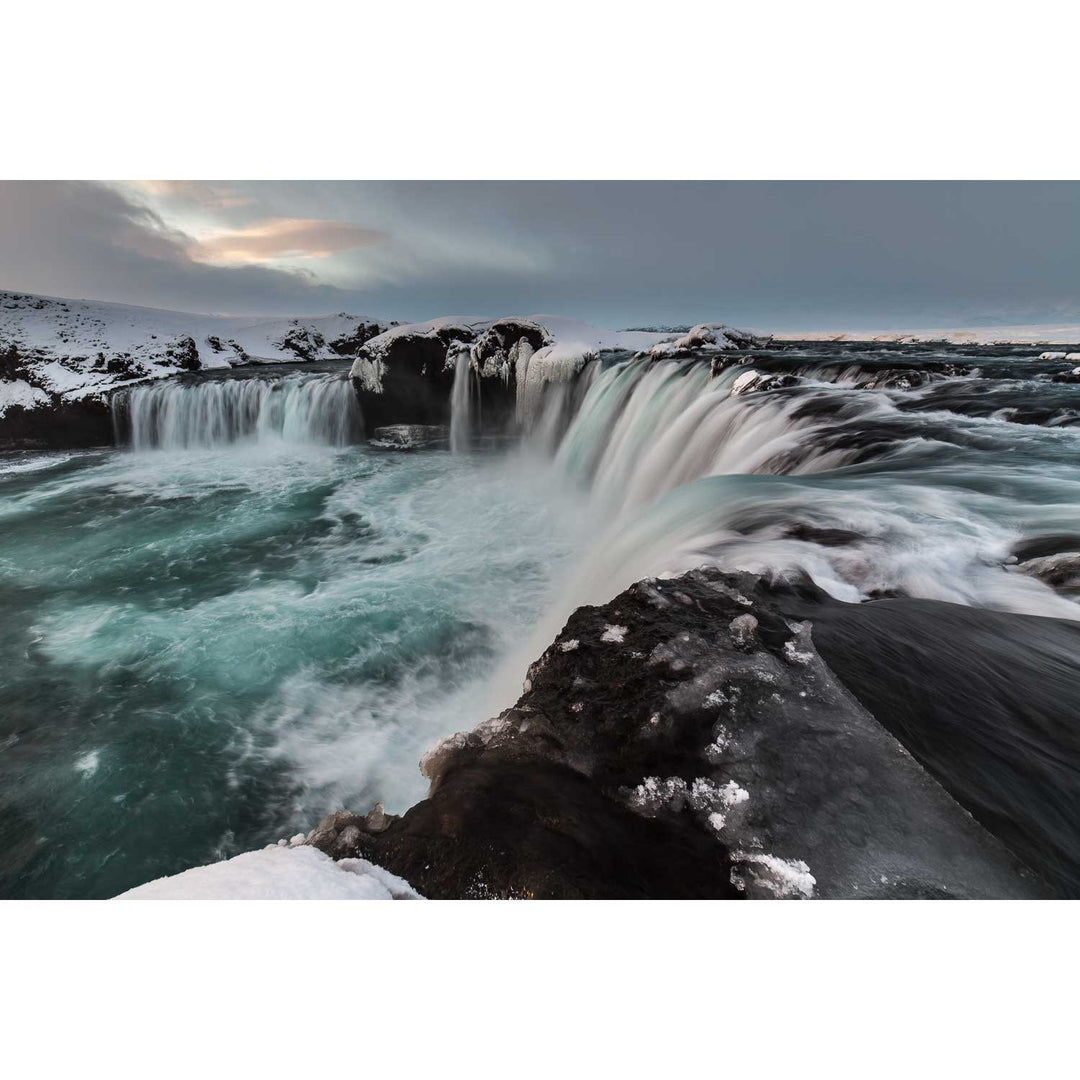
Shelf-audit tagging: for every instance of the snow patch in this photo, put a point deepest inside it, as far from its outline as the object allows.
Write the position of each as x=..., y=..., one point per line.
x=745, y=381
x=704, y=796
x=705, y=336
x=614, y=634
x=714, y=752
x=19, y=392
x=792, y=653
x=786, y=879
x=279, y=873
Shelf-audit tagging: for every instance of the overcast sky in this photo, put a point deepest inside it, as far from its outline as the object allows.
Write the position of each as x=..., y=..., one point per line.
x=813, y=255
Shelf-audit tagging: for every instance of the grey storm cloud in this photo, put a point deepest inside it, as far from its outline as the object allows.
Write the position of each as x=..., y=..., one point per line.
x=779, y=255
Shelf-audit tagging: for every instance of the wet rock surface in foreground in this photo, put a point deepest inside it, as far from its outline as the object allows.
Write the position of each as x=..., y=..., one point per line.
x=685, y=740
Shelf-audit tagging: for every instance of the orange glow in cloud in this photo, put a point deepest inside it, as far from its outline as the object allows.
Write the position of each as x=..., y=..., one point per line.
x=283, y=238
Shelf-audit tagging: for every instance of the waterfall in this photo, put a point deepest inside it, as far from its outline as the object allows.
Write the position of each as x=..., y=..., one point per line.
x=319, y=409
x=461, y=405
x=643, y=428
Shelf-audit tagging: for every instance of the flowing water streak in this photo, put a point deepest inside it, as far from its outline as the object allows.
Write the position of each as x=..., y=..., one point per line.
x=643, y=429
x=680, y=465
x=318, y=409
x=461, y=404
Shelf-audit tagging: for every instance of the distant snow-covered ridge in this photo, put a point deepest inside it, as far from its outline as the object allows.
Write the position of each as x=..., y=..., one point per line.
x=1040, y=334
x=54, y=350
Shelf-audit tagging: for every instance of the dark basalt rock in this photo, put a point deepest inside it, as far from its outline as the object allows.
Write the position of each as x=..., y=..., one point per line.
x=304, y=342
x=1054, y=559
x=1061, y=571
x=409, y=382
x=1036, y=547
x=219, y=346
x=184, y=354
x=494, y=358
x=11, y=361
x=494, y=345
x=858, y=372
x=349, y=344
x=500, y=828
x=342, y=835
x=1072, y=376
x=744, y=339
x=65, y=425
x=688, y=740
x=720, y=364
x=409, y=379
x=895, y=379
x=827, y=537
x=985, y=700
x=411, y=437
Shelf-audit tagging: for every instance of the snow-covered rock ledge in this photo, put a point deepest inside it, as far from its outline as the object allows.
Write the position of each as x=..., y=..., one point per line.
x=279, y=872
x=60, y=359
x=407, y=375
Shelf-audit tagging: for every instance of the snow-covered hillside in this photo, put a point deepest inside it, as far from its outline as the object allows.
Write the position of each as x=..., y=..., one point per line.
x=55, y=350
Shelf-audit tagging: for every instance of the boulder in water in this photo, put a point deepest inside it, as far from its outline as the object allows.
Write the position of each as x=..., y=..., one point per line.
x=1060, y=571
x=406, y=375
x=411, y=437
x=756, y=382
x=401, y=376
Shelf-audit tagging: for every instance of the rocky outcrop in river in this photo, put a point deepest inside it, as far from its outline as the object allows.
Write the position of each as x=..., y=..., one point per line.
x=689, y=740
x=407, y=375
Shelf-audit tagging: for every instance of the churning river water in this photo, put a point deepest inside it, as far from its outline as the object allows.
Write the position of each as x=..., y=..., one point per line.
x=247, y=618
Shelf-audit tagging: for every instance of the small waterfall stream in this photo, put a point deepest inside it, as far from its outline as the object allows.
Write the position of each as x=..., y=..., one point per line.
x=461, y=404
x=320, y=409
